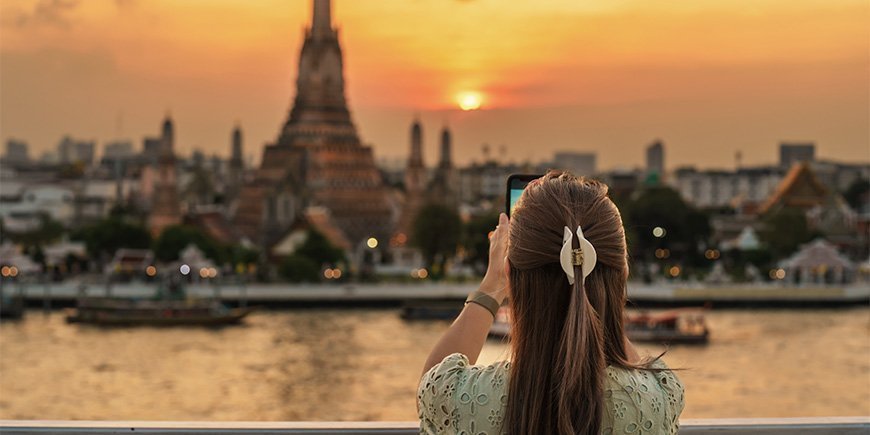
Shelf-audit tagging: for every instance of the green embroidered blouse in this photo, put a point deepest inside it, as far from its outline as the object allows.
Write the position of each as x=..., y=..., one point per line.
x=458, y=398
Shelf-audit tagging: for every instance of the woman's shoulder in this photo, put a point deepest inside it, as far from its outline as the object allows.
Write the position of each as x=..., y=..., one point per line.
x=639, y=398
x=455, y=393
x=456, y=371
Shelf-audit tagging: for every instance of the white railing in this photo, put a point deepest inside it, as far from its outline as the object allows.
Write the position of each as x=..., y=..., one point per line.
x=761, y=426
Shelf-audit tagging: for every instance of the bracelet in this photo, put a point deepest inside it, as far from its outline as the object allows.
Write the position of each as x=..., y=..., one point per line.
x=484, y=300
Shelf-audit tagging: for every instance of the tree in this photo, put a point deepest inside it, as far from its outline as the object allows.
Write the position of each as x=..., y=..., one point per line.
x=49, y=230
x=858, y=193
x=685, y=228
x=239, y=254
x=175, y=238
x=296, y=268
x=436, y=233
x=784, y=230
x=318, y=249
x=475, y=240
x=107, y=236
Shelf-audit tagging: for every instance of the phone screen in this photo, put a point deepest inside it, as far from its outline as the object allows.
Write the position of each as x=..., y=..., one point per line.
x=515, y=185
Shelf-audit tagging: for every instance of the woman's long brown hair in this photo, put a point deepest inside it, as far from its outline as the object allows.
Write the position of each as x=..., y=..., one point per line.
x=564, y=336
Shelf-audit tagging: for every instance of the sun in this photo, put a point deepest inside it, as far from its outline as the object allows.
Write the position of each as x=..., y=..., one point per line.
x=469, y=100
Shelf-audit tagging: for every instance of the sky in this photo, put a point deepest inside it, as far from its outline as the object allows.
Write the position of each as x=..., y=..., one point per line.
x=709, y=78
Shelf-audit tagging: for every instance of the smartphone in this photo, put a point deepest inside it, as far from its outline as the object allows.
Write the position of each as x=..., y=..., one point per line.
x=516, y=183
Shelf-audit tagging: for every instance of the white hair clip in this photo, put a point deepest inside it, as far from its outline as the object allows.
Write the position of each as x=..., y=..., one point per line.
x=584, y=256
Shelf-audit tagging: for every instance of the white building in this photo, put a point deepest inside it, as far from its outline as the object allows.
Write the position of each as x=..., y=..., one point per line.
x=576, y=163
x=717, y=188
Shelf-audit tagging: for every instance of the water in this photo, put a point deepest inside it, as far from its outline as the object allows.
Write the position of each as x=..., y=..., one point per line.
x=364, y=365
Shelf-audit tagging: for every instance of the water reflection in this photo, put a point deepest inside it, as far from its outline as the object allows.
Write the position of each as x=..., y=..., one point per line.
x=364, y=364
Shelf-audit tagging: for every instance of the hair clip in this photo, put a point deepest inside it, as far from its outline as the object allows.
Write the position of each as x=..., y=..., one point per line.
x=585, y=256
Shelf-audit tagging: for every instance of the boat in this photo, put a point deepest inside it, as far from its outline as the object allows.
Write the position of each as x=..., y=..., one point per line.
x=122, y=311
x=170, y=306
x=673, y=327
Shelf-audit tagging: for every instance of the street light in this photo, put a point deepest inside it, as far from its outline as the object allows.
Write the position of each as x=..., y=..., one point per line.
x=659, y=232
x=372, y=242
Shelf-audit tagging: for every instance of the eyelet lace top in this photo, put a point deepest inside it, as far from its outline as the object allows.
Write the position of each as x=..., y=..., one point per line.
x=455, y=397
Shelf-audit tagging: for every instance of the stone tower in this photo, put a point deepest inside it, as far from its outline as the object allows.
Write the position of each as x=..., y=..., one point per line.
x=165, y=207
x=318, y=158
x=236, y=168
x=415, y=188
x=444, y=183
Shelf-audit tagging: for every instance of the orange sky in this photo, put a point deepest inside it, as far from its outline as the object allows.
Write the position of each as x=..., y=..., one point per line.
x=708, y=77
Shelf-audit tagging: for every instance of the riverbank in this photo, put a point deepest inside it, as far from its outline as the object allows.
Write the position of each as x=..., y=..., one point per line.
x=390, y=295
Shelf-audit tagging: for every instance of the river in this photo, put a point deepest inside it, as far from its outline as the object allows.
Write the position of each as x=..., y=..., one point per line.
x=363, y=364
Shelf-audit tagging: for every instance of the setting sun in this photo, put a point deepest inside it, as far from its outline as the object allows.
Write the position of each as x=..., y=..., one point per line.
x=469, y=100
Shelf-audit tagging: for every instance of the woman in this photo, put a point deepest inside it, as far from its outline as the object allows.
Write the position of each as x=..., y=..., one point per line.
x=561, y=260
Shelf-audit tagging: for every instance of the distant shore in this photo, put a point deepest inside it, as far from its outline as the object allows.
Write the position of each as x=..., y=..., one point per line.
x=390, y=294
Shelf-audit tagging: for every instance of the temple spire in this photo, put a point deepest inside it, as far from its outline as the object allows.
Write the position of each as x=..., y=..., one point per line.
x=446, y=160
x=321, y=20
x=416, y=158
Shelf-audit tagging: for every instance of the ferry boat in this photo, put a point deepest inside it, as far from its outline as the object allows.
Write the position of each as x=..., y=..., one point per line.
x=121, y=311
x=170, y=306
x=672, y=327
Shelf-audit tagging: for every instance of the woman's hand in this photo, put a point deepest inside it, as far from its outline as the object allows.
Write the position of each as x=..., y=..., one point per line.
x=495, y=281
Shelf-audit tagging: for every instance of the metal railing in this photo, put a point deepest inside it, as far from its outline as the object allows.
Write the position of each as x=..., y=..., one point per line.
x=761, y=426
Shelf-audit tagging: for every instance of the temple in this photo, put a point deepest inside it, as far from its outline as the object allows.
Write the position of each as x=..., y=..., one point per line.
x=318, y=159
x=165, y=207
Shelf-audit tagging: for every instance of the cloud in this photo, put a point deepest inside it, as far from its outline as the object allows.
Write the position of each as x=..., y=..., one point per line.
x=47, y=13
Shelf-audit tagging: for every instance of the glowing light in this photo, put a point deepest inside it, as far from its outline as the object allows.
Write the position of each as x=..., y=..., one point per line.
x=336, y=273
x=13, y=271
x=150, y=271
x=372, y=242
x=469, y=100
x=663, y=253
x=184, y=269
x=329, y=274
x=659, y=232
x=4, y=271
x=674, y=271
x=780, y=274
x=203, y=273
x=212, y=272
x=422, y=273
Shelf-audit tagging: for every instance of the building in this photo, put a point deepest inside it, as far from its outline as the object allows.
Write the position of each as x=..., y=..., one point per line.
x=165, y=205
x=318, y=158
x=71, y=151
x=118, y=150
x=151, y=147
x=718, y=188
x=576, y=163
x=839, y=176
x=236, y=170
x=443, y=187
x=791, y=153
x=416, y=180
x=655, y=162
x=16, y=152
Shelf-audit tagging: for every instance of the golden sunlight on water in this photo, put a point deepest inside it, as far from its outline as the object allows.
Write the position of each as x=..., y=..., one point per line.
x=364, y=364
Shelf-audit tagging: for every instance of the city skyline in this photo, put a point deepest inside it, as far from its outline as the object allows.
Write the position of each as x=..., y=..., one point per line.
x=629, y=88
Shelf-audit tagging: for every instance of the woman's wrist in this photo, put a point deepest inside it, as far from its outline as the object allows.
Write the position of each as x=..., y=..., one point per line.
x=493, y=289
